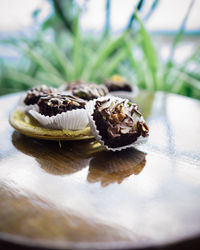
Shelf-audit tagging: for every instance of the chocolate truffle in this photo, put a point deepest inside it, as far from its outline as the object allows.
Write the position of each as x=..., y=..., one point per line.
x=119, y=122
x=52, y=105
x=74, y=84
x=34, y=94
x=117, y=83
x=87, y=91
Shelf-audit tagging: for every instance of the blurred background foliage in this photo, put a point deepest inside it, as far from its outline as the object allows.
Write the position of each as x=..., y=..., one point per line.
x=60, y=52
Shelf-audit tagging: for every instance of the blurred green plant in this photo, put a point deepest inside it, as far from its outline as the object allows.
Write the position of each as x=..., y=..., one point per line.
x=71, y=55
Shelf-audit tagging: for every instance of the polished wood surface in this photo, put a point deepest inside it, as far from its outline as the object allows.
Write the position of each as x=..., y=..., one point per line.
x=76, y=195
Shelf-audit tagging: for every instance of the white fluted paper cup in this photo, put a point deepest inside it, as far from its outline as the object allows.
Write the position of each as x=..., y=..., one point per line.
x=71, y=120
x=90, y=107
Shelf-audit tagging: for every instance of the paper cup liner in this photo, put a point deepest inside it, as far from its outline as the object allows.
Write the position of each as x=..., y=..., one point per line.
x=71, y=120
x=26, y=108
x=125, y=94
x=90, y=107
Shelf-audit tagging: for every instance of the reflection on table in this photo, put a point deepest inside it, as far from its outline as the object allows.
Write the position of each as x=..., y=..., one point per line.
x=69, y=157
x=109, y=167
x=55, y=157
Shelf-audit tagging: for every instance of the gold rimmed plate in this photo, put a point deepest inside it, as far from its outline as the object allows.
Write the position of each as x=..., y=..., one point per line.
x=26, y=125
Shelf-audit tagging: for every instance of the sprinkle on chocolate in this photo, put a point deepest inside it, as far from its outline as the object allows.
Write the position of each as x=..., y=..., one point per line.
x=55, y=104
x=74, y=84
x=87, y=91
x=119, y=122
x=34, y=94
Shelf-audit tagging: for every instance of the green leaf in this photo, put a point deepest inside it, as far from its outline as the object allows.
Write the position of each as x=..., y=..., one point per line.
x=111, y=65
x=40, y=60
x=134, y=63
x=192, y=57
x=186, y=78
x=36, y=13
x=148, y=51
x=101, y=55
x=21, y=77
x=76, y=49
x=177, y=38
x=61, y=60
x=50, y=79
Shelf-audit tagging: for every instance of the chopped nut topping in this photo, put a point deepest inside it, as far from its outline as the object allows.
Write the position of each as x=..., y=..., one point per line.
x=87, y=91
x=55, y=104
x=34, y=94
x=123, y=117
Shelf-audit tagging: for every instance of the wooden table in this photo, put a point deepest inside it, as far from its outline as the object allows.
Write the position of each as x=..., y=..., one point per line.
x=76, y=197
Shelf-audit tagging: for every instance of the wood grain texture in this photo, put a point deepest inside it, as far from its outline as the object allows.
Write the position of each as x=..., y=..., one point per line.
x=78, y=196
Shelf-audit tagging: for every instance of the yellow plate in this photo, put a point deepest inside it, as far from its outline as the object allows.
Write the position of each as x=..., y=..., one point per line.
x=26, y=125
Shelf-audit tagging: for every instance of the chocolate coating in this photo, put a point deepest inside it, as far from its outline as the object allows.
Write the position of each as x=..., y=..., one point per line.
x=74, y=84
x=55, y=104
x=117, y=83
x=87, y=91
x=34, y=94
x=119, y=122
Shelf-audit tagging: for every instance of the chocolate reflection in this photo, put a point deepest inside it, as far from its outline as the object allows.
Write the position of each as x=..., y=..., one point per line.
x=110, y=167
x=54, y=157
x=69, y=157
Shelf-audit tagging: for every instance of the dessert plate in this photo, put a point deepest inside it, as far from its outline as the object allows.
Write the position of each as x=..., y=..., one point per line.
x=26, y=125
